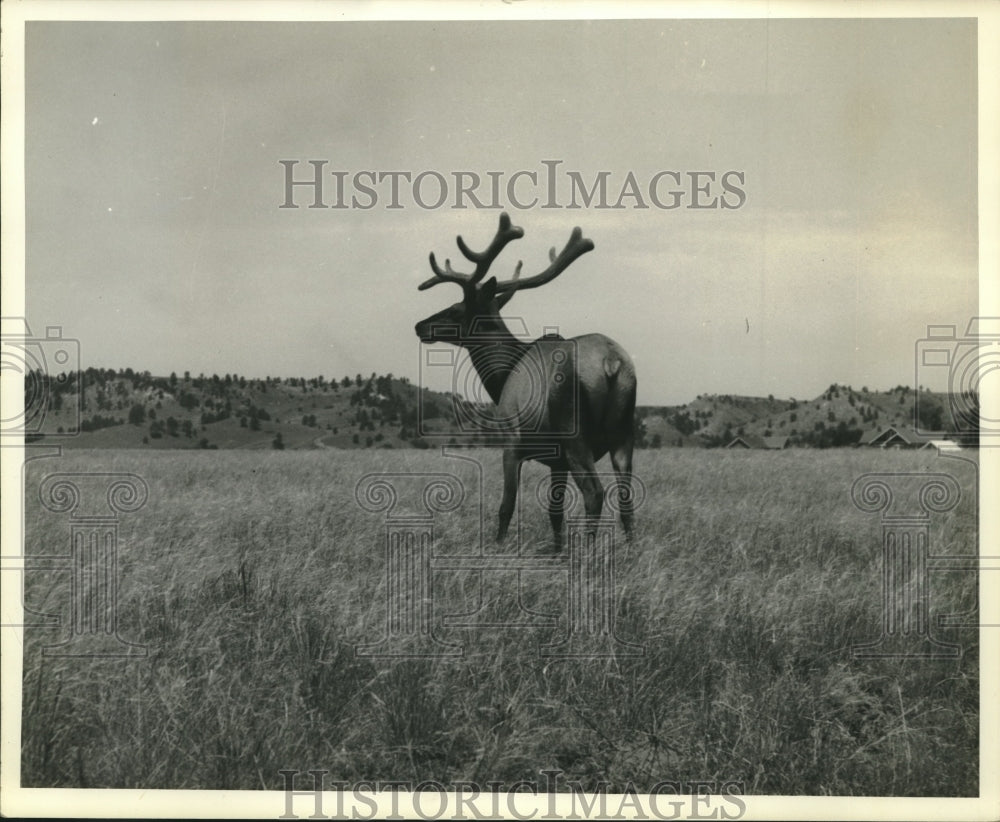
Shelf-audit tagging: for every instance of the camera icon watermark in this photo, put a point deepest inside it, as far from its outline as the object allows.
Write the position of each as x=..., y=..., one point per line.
x=49, y=366
x=967, y=362
x=544, y=372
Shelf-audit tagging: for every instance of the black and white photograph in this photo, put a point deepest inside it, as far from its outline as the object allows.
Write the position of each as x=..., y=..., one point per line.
x=500, y=410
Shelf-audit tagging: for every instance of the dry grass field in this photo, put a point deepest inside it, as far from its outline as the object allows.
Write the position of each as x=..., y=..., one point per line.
x=251, y=576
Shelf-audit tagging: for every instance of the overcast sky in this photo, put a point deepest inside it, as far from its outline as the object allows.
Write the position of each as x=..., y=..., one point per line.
x=155, y=237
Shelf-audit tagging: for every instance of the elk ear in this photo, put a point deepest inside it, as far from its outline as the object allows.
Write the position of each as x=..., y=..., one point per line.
x=488, y=290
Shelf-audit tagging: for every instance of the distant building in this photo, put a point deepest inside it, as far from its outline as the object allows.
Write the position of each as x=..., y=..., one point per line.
x=942, y=446
x=763, y=443
x=892, y=437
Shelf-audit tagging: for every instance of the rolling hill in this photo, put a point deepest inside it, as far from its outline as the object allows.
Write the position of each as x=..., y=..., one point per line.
x=102, y=408
x=841, y=415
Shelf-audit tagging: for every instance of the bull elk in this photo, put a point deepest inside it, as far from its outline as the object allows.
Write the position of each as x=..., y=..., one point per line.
x=564, y=403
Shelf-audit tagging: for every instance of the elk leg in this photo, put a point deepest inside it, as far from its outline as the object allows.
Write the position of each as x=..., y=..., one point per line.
x=557, y=503
x=511, y=477
x=581, y=464
x=621, y=461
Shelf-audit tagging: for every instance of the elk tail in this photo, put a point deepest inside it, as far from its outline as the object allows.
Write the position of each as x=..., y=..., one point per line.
x=612, y=365
x=618, y=414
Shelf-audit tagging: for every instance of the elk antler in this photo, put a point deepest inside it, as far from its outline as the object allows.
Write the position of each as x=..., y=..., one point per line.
x=483, y=259
x=576, y=247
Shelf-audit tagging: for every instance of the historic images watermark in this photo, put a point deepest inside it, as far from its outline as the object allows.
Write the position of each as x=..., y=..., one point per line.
x=310, y=184
x=432, y=800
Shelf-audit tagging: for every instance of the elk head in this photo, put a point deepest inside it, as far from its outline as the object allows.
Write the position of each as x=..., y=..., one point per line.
x=479, y=310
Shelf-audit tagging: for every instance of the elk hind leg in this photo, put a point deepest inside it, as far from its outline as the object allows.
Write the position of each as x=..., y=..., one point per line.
x=581, y=464
x=511, y=478
x=621, y=461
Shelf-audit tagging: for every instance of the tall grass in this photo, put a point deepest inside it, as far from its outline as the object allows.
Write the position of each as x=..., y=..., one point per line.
x=252, y=576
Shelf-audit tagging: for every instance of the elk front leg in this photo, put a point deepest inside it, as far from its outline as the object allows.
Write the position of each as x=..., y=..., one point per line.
x=511, y=478
x=557, y=504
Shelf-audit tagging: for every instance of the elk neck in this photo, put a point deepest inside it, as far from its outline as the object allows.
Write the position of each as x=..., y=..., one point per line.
x=494, y=352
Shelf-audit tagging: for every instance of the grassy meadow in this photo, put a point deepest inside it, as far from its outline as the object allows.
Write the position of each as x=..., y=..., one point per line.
x=251, y=576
